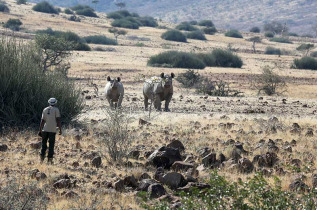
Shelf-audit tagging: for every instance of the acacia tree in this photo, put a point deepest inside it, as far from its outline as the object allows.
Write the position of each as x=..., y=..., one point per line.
x=254, y=40
x=116, y=32
x=305, y=48
x=53, y=50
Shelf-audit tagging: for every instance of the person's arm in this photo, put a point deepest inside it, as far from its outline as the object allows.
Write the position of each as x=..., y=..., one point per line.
x=58, y=120
x=41, y=125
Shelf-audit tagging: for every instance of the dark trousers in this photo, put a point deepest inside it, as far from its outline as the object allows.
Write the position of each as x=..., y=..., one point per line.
x=51, y=137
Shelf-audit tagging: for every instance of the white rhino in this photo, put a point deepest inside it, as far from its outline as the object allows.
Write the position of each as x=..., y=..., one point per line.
x=114, y=92
x=158, y=89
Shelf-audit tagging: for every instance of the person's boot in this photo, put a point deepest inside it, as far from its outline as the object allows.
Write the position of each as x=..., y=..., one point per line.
x=42, y=159
x=50, y=161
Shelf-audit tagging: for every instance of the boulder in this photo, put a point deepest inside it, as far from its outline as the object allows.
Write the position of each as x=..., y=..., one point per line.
x=130, y=181
x=96, y=161
x=176, y=144
x=266, y=160
x=145, y=183
x=174, y=180
x=119, y=185
x=180, y=165
x=144, y=176
x=3, y=147
x=191, y=185
x=159, y=173
x=164, y=157
x=40, y=176
x=156, y=190
x=134, y=154
x=245, y=165
x=63, y=183
x=70, y=194
x=210, y=159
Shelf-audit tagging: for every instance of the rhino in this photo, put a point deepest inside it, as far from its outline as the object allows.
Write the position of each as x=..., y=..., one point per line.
x=158, y=89
x=114, y=92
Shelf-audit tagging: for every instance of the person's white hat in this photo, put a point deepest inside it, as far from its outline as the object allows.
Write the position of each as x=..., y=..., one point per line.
x=52, y=101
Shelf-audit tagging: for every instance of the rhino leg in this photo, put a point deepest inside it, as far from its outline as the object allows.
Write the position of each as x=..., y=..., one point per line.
x=146, y=103
x=120, y=101
x=157, y=103
x=110, y=102
x=167, y=102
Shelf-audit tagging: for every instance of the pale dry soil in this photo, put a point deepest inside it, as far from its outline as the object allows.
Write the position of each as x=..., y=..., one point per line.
x=198, y=121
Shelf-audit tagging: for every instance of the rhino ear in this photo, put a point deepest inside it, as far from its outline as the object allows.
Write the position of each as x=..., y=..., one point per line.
x=108, y=78
x=162, y=75
x=172, y=75
x=119, y=79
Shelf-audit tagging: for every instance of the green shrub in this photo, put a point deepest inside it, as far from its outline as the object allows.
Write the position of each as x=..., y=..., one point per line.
x=292, y=34
x=255, y=29
x=68, y=11
x=4, y=8
x=210, y=30
x=189, y=79
x=281, y=40
x=224, y=58
x=233, y=33
x=269, y=34
x=148, y=21
x=275, y=27
x=45, y=7
x=207, y=23
x=119, y=14
x=84, y=10
x=174, y=35
x=74, y=18
x=21, y=1
x=185, y=26
x=13, y=24
x=196, y=35
x=207, y=58
x=100, y=40
x=193, y=22
x=128, y=22
x=273, y=51
x=305, y=63
x=174, y=59
x=25, y=89
x=313, y=54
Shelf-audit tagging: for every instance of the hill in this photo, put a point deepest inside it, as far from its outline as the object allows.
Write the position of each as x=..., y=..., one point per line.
x=238, y=14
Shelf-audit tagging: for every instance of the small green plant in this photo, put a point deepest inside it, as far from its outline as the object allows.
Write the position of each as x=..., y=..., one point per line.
x=21, y=2
x=45, y=7
x=185, y=26
x=84, y=10
x=174, y=35
x=273, y=51
x=269, y=34
x=281, y=40
x=207, y=23
x=13, y=24
x=210, y=30
x=189, y=79
x=4, y=8
x=68, y=11
x=100, y=40
x=255, y=29
x=196, y=35
x=174, y=59
x=305, y=63
x=233, y=33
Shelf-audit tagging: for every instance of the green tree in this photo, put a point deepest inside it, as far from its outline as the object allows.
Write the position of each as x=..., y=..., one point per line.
x=305, y=48
x=116, y=32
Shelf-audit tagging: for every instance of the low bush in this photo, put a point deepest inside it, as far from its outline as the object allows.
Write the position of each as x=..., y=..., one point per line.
x=128, y=22
x=174, y=59
x=22, y=80
x=174, y=35
x=13, y=24
x=196, y=35
x=281, y=40
x=21, y=2
x=216, y=88
x=119, y=14
x=148, y=21
x=255, y=29
x=207, y=23
x=233, y=33
x=189, y=79
x=313, y=54
x=68, y=11
x=305, y=63
x=74, y=18
x=185, y=26
x=4, y=8
x=100, y=40
x=207, y=58
x=84, y=10
x=273, y=51
x=292, y=34
x=224, y=58
x=210, y=30
x=269, y=34
x=45, y=7
x=193, y=22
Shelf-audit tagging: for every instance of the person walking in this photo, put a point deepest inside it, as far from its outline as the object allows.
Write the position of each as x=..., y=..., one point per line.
x=50, y=120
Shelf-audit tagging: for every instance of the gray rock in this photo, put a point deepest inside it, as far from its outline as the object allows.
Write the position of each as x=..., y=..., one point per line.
x=180, y=165
x=174, y=180
x=63, y=183
x=3, y=147
x=209, y=159
x=145, y=183
x=119, y=185
x=164, y=157
x=245, y=165
x=156, y=190
x=96, y=162
x=176, y=144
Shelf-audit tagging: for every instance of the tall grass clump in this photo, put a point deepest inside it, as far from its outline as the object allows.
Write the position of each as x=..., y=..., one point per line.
x=100, y=40
x=45, y=7
x=234, y=33
x=4, y=8
x=185, y=26
x=207, y=23
x=84, y=10
x=174, y=35
x=305, y=63
x=273, y=51
x=196, y=35
x=281, y=40
x=174, y=59
x=24, y=88
x=225, y=58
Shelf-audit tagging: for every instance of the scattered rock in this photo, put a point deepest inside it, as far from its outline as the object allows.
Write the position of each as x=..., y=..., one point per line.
x=204, y=152
x=143, y=122
x=314, y=181
x=70, y=194
x=164, y=157
x=40, y=176
x=145, y=183
x=267, y=160
x=36, y=145
x=310, y=132
x=63, y=183
x=180, y=165
x=96, y=162
x=3, y=147
x=210, y=160
x=298, y=185
x=245, y=165
x=119, y=185
x=130, y=181
x=144, y=176
x=176, y=144
x=174, y=180
x=134, y=154
x=75, y=164
x=159, y=174
x=156, y=190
